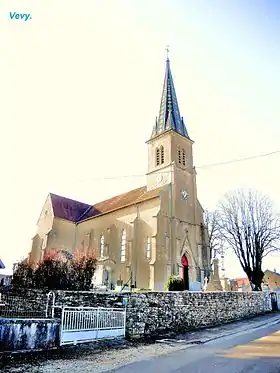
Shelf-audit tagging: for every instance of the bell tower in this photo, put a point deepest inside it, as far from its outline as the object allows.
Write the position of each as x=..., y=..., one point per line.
x=169, y=147
x=170, y=164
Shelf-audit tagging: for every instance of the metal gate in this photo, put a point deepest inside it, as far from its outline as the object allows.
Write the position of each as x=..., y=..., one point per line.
x=86, y=324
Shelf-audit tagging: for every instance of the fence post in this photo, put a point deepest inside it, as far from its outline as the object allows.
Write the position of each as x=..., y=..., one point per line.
x=61, y=326
x=97, y=324
x=50, y=294
x=124, y=322
x=53, y=304
x=47, y=305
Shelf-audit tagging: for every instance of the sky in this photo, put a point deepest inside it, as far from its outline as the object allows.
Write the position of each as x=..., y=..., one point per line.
x=80, y=89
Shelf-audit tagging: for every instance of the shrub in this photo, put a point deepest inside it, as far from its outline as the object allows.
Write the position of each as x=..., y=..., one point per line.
x=81, y=272
x=56, y=272
x=175, y=283
x=23, y=277
x=52, y=274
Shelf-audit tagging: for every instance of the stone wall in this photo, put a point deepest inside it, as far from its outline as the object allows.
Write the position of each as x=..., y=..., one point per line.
x=87, y=299
x=154, y=313
x=90, y=299
x=23, y=335
x=25, y=304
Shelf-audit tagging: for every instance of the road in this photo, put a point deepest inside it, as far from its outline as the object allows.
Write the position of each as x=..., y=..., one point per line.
x=257, y=351
x=251, y=346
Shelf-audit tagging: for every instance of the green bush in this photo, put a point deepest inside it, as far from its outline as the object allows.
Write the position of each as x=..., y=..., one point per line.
x=175, y=283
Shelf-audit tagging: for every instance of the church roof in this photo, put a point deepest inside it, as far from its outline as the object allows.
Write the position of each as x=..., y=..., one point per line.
x=75, y=211
x=66, y=208
x=169, y=113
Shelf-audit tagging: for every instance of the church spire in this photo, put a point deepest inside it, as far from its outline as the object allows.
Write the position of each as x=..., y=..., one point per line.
x=169, y=114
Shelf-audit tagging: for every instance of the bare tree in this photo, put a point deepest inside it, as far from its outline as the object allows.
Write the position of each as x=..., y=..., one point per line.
x=211, y=220
x=251, y=228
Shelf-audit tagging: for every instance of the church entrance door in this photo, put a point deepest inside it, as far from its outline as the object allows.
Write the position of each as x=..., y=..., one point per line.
x=185, y=270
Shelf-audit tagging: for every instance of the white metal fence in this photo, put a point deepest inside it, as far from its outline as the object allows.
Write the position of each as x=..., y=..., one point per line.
x=87, y=324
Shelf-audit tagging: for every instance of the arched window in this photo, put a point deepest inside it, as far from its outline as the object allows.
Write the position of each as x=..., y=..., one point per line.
x=179, y=156
x=161, y=155
x=183, y=157
x=157, y=156
x=148, y=248
x=102, y=246
x=123, y=244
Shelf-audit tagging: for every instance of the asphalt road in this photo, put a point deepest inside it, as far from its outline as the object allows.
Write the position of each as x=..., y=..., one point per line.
x=257, y=351
x=251, y=345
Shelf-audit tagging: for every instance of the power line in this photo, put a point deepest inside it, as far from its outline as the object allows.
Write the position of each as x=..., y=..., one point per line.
x=205, y=166
x=239, y=160
x=210, y=165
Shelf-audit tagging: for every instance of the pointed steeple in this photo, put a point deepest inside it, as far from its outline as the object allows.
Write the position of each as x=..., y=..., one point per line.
x=169, y=114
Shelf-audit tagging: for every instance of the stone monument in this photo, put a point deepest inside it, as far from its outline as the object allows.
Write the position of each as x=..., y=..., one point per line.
x=214, y=283
x=226, y=284
x=205, y=283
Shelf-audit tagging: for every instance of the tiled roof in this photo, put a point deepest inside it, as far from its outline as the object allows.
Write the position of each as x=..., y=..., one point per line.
x=242, y=281
x=169, y=113
x=66, y=208
x=272, y=279
x=268, y=271
x=75, y=211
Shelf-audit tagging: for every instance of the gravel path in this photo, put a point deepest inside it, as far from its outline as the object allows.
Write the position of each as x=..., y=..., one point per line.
x=89, y=359
x=108, y=356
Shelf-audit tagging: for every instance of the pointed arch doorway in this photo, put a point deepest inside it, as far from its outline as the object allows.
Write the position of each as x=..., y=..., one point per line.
x=185, y=271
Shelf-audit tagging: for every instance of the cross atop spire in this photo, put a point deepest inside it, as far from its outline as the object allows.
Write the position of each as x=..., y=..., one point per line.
x=169, y=114
x=167, y=52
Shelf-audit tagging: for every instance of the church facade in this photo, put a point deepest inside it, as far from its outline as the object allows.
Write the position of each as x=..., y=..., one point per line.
x=143, y=236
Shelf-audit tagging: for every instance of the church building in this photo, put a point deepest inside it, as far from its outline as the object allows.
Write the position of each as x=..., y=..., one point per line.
x=143, y=236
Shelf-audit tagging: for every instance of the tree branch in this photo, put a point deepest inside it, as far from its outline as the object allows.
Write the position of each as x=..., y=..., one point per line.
x=247, y=223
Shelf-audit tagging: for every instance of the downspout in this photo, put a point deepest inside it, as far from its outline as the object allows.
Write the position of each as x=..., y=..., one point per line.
x=75, y=236
x=136, y=250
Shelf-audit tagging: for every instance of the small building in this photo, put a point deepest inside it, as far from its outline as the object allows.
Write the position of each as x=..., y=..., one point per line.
x=5, y=279
x=240, y=284
x=271, y=280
